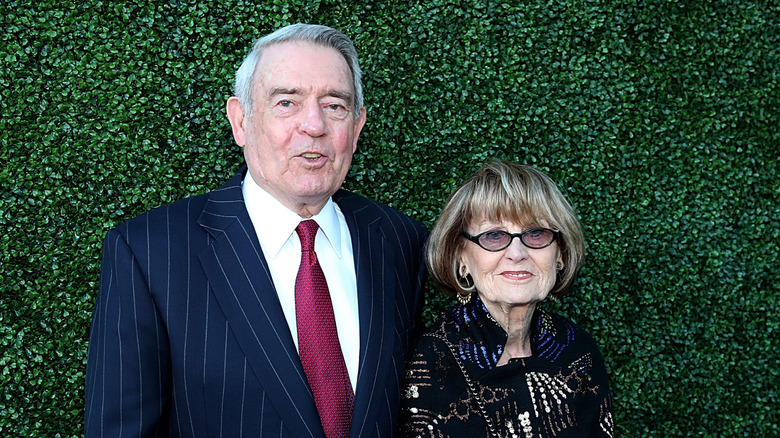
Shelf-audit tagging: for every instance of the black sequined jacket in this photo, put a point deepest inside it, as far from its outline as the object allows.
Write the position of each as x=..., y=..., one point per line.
x=453, y=388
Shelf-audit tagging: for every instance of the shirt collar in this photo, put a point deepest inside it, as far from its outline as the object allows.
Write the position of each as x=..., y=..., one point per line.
x=274, y=223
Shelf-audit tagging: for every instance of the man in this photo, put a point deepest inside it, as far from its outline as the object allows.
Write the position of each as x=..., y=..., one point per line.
x=198, y=329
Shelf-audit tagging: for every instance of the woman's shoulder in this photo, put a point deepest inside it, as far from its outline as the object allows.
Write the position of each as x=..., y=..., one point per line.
x=442, y=330
x=560, y=340
x=559, y=327
x=446, y=333
x=463, y=323
x=447, y=321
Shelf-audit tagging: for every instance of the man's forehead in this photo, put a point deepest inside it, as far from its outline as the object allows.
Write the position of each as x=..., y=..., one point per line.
x=302, y=68
x=284, y=52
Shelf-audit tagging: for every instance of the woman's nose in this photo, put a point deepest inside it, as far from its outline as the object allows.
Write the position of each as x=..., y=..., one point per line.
x=516, y=249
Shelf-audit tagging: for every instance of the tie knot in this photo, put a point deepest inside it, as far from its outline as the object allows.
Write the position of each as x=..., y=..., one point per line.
x=307, y=230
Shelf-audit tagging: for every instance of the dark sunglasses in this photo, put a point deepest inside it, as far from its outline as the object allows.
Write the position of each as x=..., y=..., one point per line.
x=496, y=240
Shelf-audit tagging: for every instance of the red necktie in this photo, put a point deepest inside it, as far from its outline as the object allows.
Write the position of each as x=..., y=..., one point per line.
x=318, y=341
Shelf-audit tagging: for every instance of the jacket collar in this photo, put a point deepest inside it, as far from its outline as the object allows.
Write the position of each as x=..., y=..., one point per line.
x=238, y=273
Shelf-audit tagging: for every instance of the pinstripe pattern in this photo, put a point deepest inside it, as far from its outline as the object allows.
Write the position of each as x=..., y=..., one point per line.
x=188, y=337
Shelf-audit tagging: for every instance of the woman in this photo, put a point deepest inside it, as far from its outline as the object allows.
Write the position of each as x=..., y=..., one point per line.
x=496, y=365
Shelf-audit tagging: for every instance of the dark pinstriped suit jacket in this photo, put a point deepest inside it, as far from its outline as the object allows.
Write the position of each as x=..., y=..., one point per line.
x=188, y=337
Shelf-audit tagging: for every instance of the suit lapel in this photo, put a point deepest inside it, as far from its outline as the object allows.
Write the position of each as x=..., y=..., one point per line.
x=375, y=303
x=238, y=272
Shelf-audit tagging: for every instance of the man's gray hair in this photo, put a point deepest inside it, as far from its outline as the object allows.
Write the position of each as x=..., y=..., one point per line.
x=312, y=33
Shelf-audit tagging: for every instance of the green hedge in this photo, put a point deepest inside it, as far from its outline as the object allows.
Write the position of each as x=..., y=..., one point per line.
x=658, y=118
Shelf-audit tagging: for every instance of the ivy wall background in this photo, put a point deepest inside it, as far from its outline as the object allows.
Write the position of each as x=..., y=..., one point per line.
x=658, y=118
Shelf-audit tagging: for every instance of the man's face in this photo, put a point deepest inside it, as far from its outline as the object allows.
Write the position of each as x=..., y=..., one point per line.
x=299, y=141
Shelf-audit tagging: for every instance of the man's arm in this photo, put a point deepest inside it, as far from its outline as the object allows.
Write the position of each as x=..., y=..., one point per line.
x=128, y=388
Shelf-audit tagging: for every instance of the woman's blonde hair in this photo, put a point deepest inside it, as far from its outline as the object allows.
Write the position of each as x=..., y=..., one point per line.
x=504, y=191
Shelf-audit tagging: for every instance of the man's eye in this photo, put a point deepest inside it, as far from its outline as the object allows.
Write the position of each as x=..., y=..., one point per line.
x=285, y=103
x=337, y=109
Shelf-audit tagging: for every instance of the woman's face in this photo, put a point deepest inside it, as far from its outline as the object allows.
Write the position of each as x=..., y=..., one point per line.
x=514, y=276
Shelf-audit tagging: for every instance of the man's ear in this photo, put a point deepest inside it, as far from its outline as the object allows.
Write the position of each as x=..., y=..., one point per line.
x=236, y=115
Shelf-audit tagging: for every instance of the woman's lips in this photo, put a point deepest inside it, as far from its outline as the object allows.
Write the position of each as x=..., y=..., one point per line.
x=517, y=275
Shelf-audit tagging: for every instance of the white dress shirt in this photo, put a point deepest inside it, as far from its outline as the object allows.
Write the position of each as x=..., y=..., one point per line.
x=275, y=227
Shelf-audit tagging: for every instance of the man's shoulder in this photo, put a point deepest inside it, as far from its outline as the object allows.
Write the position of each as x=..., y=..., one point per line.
x=185, y=211
x=368, y=209
x=170, y=210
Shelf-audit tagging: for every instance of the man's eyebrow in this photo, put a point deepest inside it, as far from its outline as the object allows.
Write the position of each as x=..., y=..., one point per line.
x=345, y=96
x=279, y=90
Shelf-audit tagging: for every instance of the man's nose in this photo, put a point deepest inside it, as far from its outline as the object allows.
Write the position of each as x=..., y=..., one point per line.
x=313, y=122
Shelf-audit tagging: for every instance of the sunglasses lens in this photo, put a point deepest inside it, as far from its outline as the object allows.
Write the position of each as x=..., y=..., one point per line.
x=538, y=237
x=495, y=240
